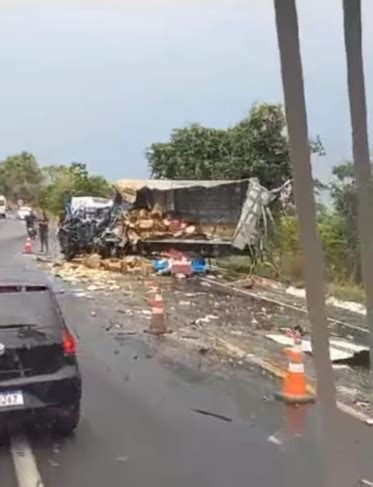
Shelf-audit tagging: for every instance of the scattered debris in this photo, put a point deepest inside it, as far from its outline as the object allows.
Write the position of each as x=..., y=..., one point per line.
x=247, y=283
x=273, y=439
x=126, y=332
x=80, y=294
x=341, y=351
x=341, y=367
x=348, y=391
x=93, y=287
x=338, y=303
x=205, y=319
x=367, y=483
x=214, y=415
x=122, y=459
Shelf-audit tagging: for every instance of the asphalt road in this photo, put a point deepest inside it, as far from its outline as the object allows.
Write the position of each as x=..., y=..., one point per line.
x=139, y=422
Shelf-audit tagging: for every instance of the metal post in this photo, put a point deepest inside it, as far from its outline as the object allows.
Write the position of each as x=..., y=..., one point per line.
x=360, y=149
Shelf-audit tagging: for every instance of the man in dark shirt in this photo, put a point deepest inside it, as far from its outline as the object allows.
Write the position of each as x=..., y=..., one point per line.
x=43, y=223
x=30, y=221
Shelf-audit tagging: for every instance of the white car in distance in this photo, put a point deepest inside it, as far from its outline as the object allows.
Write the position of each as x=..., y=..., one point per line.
x=3, y=206
x=22, y=212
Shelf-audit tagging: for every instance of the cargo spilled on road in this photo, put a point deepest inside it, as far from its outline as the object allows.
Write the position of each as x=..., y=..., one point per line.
x=213, y=320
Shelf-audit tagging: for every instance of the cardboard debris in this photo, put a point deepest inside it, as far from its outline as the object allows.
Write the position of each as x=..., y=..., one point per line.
x=94, y=263
x=247, y=283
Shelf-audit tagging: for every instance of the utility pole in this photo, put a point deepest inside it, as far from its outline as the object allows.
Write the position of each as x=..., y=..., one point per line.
x=296, y=117
x=337, y=468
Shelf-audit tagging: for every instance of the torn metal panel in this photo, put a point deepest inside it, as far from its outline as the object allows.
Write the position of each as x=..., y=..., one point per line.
x=246, y=232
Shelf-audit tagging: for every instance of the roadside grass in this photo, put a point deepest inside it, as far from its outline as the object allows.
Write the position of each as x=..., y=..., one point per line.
x=347, y=292
x=235, y=267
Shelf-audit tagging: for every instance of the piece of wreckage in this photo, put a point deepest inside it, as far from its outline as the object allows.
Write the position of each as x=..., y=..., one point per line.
x=81, y=221
x=149, y=217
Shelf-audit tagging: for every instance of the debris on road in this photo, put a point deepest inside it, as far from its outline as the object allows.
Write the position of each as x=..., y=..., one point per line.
x=233, y=327
x=122, y=459
x=214, y=415
x=205, y=319
x=273, y=439
x=367, y=483
x=341, y=351
x=247, y=283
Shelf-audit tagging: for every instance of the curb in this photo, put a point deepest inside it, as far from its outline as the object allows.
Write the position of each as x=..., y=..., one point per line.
x=278, y=372
x=299, y=309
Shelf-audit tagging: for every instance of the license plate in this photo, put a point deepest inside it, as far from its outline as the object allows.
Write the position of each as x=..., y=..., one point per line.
x=8, y=399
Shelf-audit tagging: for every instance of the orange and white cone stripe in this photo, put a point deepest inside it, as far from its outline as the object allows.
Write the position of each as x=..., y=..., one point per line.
x=294, y=390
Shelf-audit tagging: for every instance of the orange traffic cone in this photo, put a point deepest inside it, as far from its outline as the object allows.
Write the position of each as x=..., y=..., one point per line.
x=27, y=248
x=158, y=317
x=294, y=389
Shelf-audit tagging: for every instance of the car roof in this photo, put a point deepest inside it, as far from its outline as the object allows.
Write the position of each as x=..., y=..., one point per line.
x=28, y=304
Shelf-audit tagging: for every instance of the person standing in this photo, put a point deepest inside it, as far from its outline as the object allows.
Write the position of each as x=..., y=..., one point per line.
x=30, y=220
x=44, y=232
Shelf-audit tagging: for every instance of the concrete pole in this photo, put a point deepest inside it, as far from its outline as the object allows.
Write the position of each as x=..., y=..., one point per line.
x=338, y=463
x=360, y=149
x=292, y=80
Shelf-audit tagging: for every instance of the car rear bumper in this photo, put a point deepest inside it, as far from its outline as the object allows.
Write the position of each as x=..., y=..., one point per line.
x=62, y=388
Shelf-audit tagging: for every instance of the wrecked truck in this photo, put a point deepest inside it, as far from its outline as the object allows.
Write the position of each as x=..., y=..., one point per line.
x=82, y=219
x=208, y=218
x=204, y=218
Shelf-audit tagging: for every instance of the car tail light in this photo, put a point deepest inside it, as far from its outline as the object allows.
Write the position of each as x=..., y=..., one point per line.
x=68, y=343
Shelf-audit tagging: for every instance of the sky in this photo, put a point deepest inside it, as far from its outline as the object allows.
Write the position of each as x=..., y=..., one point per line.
x=98, y=82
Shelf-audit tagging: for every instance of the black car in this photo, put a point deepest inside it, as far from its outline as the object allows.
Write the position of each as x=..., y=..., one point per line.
x=39, y=372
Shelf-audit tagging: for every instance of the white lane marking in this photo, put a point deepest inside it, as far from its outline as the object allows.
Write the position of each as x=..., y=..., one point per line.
x=24, y=462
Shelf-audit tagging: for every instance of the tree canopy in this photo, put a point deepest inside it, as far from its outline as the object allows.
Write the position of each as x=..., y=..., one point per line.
x=255, y=147
x=21, y=177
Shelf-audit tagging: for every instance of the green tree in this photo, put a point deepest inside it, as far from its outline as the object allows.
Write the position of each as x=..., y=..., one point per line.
x=344, y=195
x=255, y=147
x=20, y=177
x=332, y=233
x=62, y=182
x=194, y=152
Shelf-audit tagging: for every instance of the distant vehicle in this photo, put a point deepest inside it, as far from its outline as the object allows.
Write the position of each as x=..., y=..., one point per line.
x=22, y=212
x=39, y=372
x=3, y=206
